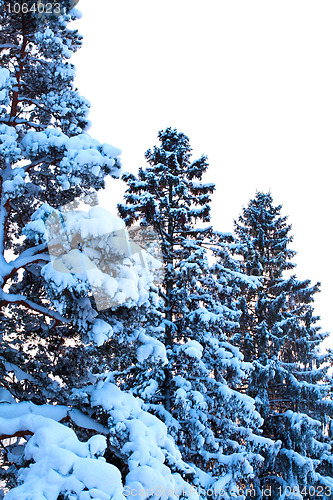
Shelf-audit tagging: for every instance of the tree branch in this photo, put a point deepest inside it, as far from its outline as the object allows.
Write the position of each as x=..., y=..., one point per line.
x=9, y=298
x=17, y=434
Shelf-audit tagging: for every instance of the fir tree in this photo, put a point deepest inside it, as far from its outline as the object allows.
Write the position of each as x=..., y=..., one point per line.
x=212, y=422
x=281, y=338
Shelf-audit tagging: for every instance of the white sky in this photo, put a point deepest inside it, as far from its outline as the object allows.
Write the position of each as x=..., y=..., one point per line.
x=250, y=83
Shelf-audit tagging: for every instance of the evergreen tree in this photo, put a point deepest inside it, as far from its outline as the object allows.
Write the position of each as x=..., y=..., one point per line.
x=62, y=430
x=46, y=162
x=281, y=338
x=212, y=422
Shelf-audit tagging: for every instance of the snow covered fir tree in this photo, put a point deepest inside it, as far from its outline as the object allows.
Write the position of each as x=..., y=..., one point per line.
x=205, y=382
x=280, y=336
x=212, y=423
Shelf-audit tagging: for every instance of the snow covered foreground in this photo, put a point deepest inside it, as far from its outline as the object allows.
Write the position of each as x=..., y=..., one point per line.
x=61, y=464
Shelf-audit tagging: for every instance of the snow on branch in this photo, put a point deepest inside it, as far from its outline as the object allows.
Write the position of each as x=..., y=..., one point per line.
x=60, y=462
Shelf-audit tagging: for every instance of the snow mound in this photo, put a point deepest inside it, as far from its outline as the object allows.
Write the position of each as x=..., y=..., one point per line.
x=193, y=349
x=150, y=348
x=8, y=141
x=154, y=461
x=61, y=463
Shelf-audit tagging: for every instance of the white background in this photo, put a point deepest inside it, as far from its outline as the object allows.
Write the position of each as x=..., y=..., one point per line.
x=250, y=82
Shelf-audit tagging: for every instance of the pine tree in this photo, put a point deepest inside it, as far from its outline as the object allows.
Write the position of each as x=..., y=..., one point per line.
x=46, y=162
x=281, y=338
x=62, y=432
x=197, y=395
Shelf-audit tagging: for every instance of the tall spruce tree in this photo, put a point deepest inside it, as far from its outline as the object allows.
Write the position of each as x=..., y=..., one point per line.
x=197, y=391
x=280, y=336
